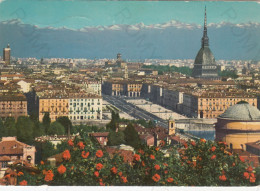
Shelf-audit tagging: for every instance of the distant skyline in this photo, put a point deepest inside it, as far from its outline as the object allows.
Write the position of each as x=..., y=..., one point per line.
x=137, y=29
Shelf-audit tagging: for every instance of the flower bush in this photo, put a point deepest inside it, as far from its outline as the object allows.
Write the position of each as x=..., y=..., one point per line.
x=200, y=163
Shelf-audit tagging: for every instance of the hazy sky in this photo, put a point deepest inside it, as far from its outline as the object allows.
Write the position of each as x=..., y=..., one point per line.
x=80, y=13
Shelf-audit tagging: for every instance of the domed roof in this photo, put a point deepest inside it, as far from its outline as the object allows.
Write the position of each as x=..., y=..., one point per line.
x=241, y=111
x=205, y=57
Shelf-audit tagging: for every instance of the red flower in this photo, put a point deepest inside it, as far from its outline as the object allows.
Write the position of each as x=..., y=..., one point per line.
x=166, y=172
x=66, y=155
x=246, y=175
x=20, y=173
x=101, y=183
x=157, y=167
x=120, y=173
x=143, y=164
x=81, y=145
x=23, y=183
x=233, y=164
x=170, y=180
x=194, y=163
x=203, y=140
x=185, y=145
x=99, y=153
x=249, y=169
x=157, y=148
x=252, y=175
x=48, y=175
x=136, y=157
x=213, y=148
x=70, y=143
x=141, y=151
x=223, y=178
x=242, y=159
x=213, y=157
x=156, y=177
x=96, y=174
x=99, y=166
x=124, y=179
x=165, y=164
x=113, y=170
x=42, y=163
x=61, y=169
x=152, y=157
x=84, y=154
x=192, y=143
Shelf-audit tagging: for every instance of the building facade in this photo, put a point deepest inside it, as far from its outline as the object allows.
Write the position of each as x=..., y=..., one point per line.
x=7, y=55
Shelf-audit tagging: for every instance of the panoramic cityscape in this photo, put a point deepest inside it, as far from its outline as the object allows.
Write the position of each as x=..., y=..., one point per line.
x=134, y=94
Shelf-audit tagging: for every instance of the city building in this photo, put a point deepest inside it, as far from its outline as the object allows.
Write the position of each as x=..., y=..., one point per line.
x=238, y=125
x=102, y=137
x=205, y=64
x=12, y=150
x=7, y=55
x=13, y=105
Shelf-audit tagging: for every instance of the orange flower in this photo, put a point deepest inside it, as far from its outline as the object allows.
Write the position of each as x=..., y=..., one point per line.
x=213, y=157
x=233, y=164
x=222, y=178
x=70, y=143
x=213, y=148
x=203, y=140
x=99, y=166
x=166, y=172
x=185, y=145
x=99, y=153
x=152, y=157
x=120, y=173
x=252, y=175
x=194, y=163
x=143, y=164
x=8, y=176
x=246, y=175
x=20, y=173
x=124, y=179
x=84, y=154
x=81, y=145
x=156, y=177
x=157, y=148
x=61, y=169
x=101, y=183
x=141, y=151
x=66, y=155
x=48, y=175
x=96, y=174
x=42, y=163
x=192, y=143
x=157, y=167
x=113, y=170
x=249, y=169
x=136, y=157
x=23, y=183
x=252, y=179
x=170, y=180
x=165, y=164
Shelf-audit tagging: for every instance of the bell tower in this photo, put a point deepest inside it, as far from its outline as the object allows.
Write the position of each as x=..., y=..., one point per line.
x=171, y=126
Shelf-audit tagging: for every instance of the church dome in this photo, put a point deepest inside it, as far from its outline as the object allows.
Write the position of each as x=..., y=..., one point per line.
x=205, y=57
x=241, y=111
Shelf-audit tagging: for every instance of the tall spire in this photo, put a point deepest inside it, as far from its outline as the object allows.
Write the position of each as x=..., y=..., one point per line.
x=205, y=39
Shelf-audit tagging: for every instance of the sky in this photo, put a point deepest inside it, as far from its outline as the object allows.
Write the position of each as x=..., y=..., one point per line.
x=76, y=14
x=137, y=29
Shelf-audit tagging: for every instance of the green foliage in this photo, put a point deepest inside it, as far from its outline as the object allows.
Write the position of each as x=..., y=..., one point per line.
x=131, y=136
x=144, y=123
x=2, y=129
x=116, y=138
x=46, y=121
x=45, y=150
x=161, y=69
x=66, y=123
x=24, y=127
x=114, y=121
x=9, y=125
x=56, y=129
x=228, y=74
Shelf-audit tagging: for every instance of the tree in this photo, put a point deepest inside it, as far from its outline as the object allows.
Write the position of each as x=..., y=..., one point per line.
x=66, y=123
x=131, y=136
x=2, y=128
x=9, y=125
x=115, y=138
x=56, y=129
x=24, y=127
x=114, y=120
x=46, y=121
